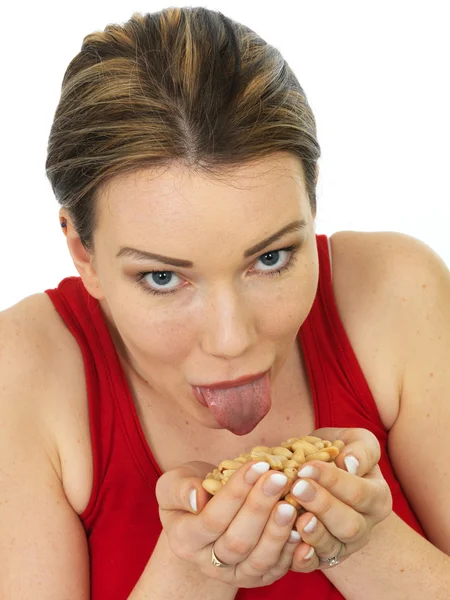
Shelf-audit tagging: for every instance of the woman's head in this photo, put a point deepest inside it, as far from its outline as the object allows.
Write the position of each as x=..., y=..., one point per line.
x=183, y=134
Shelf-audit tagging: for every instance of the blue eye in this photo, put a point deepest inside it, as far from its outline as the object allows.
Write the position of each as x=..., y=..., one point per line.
x=166, y=278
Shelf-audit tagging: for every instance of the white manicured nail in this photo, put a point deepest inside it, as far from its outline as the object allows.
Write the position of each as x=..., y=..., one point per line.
x=255, y=472
x=311, y=525
x=307, y=472
x=309, y=555
x=193, y=499
x=352, y=464
x=294, y=536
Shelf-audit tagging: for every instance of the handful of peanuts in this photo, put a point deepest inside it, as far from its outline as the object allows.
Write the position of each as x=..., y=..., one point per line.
x=288, y=458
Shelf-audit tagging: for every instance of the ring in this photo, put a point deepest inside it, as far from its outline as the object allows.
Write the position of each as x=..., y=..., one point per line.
x=332, y=562
x=215, y=561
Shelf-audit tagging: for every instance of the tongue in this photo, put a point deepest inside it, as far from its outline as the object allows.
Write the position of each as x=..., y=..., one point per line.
x=240, y=409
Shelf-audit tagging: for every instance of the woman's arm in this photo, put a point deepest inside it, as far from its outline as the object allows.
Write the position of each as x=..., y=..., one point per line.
x=397, y=562
x=167, y=577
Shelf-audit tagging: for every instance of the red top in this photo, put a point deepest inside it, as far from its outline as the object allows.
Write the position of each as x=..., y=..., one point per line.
x=121, y=521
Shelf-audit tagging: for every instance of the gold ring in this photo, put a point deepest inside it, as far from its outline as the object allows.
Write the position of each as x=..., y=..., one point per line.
x=215, y=561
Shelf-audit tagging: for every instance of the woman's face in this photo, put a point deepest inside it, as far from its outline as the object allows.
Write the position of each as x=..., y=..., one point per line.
x=226, y=304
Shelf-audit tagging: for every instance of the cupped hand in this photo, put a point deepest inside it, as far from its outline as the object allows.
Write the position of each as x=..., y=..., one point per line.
x=344, y=501
x=244, y=522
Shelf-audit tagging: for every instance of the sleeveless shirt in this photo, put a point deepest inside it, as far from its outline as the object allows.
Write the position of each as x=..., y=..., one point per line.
x=121, y=520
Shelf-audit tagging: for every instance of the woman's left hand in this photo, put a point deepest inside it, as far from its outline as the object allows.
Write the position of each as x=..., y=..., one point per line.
x=343, y=505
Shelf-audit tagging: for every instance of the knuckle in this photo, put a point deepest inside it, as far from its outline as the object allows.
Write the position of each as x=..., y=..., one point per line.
x=353, y=529
x=257, y=505
x=260, y=566
x=237, y=545
x=212, y=523
x=358, y=496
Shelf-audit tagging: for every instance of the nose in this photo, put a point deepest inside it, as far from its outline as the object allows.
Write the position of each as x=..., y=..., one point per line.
x=228, y=326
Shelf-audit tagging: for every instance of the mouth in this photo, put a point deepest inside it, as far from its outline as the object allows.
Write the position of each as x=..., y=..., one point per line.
x=224, y=385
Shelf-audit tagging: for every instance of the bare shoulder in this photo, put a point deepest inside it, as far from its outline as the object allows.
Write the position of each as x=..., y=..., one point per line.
x=40, y=355
x=30, y=462
x=373, y=273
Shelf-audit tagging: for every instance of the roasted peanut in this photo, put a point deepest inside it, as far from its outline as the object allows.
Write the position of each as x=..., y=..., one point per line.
x=287, y=457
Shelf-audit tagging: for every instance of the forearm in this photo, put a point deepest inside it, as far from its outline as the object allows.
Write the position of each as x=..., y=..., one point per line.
x=397, y=563
x=167, y=577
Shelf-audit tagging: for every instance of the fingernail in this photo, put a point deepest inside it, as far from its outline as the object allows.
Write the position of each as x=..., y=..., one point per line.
x=255, y=472
x=311, y=525
x=303, y=491
x=351, y=464
x=284, y=514
x=310, y=472
x=309, y=555
x=193, y=499
x=274, y=484
x=294, y=537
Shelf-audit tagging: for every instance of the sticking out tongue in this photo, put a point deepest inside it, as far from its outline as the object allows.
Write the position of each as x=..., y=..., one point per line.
x=240, y=409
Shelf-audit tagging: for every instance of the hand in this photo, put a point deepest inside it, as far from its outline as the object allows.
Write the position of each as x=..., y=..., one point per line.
x=239, y=522
x=343, y=506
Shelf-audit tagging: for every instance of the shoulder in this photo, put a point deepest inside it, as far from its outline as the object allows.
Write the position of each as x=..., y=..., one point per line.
x=40, y=368
x=376, y=276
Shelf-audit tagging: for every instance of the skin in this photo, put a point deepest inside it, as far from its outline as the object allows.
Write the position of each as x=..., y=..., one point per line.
x=228, y=318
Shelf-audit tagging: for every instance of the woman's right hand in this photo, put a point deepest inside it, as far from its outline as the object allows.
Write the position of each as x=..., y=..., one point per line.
x=241, y=522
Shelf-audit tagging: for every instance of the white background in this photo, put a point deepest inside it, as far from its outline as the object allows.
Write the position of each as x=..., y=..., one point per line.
x=376, y=75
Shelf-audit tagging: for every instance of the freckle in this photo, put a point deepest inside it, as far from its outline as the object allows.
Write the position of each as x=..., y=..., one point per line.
x=428, y=414
x=288, y=418
x=431, y=374
x=424, y=285
x=402, y=570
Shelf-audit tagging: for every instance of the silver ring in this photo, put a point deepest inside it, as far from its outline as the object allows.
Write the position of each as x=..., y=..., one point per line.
x=333, y=561
x=216, y=562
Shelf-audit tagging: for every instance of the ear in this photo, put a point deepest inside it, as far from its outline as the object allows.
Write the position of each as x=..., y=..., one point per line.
x=83, y=259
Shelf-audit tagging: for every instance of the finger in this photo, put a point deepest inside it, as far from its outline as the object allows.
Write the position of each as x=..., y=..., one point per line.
x=361, y=452
x=317, y=535
x=285, y=561
x=261, y=525
x=305, y=559
x=341, y=520
x=219, y=512
x=181, y=489
x=368, y=495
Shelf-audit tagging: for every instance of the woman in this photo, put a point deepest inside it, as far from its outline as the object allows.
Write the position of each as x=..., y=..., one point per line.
x=182, y=134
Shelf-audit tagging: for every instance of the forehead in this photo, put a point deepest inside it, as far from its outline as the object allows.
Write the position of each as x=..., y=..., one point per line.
x=182, y=197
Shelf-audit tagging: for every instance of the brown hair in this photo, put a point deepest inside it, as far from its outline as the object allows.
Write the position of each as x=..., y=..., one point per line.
x=185, y=84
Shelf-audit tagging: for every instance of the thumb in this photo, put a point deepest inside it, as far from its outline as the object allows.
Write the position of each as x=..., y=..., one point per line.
x=180, y=489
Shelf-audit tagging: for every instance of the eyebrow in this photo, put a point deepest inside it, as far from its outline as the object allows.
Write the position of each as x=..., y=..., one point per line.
x=298, y=225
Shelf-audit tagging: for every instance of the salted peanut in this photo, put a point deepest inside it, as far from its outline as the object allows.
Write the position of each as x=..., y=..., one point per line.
x=291, y=473
x=324, y=456
x=276, y=462
x=298, y=456
x=289, y=498
x=229, y=464
x=287, y=457
x=332, y=451
x=266, y=449
x=339, y=444
x=280, y=451
x=211, y=485
x=311, y=439
x=305, y=446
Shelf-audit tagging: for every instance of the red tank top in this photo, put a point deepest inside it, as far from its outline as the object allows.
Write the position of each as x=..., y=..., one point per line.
x=121, y=521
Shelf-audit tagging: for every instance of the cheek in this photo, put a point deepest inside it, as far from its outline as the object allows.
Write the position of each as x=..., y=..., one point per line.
x=164, y=338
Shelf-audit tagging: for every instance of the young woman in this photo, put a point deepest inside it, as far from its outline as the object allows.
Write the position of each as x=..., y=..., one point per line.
x=208, y=317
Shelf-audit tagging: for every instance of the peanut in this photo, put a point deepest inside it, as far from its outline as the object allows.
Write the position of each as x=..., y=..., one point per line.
x=287, y=457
